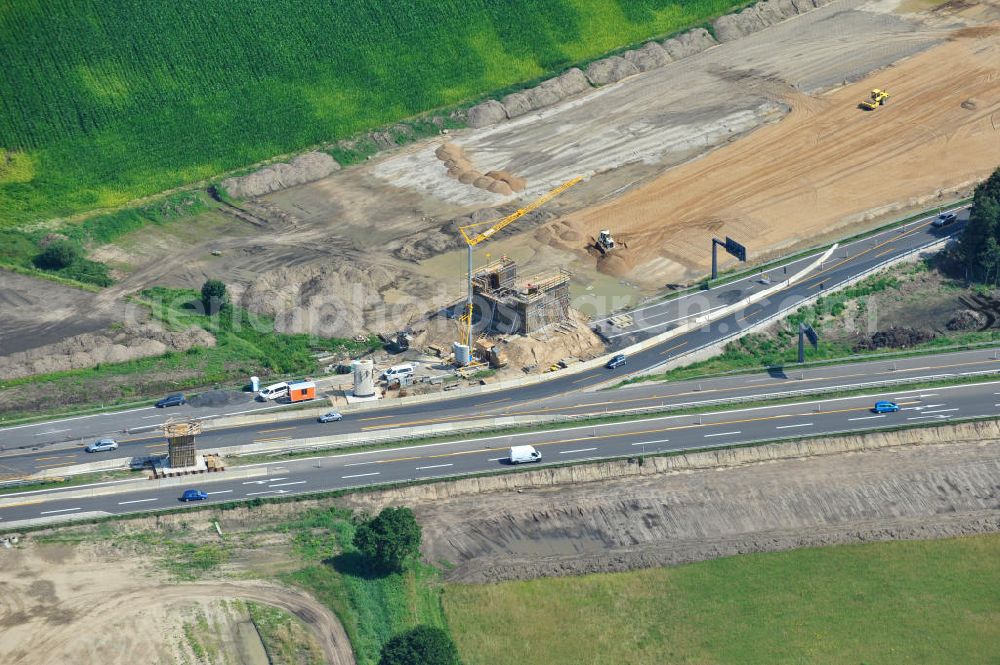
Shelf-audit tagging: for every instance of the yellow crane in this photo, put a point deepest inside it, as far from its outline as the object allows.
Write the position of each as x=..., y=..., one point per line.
x=473, y=238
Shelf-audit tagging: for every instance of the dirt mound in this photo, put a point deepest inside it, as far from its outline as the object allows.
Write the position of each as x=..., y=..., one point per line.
x=489, y=112
x=615, y=264
x=689, y=43
x=610, y=70
x=304, y=168
x=541, y=350
x=330, y=300
x=460, y=168
x=650, y=56
x=759, y=16
x=967, y=319
x=129, y=342
x=547, y=93
x=894, y=338
x=219, y=398
x=977, y=32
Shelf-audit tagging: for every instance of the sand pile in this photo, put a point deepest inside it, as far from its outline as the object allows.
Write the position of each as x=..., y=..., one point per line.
x=572, y=338
x=460, y=168
x=304, y=168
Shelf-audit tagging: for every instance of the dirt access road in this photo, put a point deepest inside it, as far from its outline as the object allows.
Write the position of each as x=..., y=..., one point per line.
x=93, y=604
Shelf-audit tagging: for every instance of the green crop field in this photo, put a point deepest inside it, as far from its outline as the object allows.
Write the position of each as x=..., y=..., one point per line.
x=102, y=102
x=886, y=603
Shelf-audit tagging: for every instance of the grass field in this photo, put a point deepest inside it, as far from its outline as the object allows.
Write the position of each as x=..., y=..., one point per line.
x=885, y=603
x=101, y=103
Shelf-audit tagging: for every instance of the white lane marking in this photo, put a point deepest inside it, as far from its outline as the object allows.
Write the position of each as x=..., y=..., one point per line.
x=64, y=510
x=219, y=492
x=359, y=463
x=881, y=415
x=155, y=415
x=722, y=434
x=940, y=411
x=922, y=417
x=265, y=481
x=55, y=431
x=434, y=466
x=125, y=503
x=790, y=426
x=496, y=459
x=297, y=482
x=267, y=492
x=362, y=475
x=581, y=450
x=647, y=443
x=931, y=406
x=922, y=395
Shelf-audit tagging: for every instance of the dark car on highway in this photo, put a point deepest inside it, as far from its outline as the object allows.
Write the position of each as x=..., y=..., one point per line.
x=616, y=362
x=885, y=406
x=171, y=400
x=944, y=219
x=194, y=495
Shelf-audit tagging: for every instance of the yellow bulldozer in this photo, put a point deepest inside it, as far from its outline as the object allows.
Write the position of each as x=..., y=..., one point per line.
x=878, y=98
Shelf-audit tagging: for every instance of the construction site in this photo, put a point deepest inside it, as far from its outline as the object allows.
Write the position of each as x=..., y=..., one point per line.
x=759, y=137
x=513, y=308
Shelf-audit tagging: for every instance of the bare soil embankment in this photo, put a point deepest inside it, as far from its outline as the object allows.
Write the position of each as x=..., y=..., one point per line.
x=915, y=484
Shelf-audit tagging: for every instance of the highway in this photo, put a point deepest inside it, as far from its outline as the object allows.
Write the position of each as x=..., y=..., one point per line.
x=59, y=443
x=569, y=444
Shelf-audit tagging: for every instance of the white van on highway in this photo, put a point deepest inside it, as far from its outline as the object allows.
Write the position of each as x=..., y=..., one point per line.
x=273, y=391
x=520, y=454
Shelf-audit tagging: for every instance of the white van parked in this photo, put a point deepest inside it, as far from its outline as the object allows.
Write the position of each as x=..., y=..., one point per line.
x=519, y=454
x=397, y=371
x=273, y=391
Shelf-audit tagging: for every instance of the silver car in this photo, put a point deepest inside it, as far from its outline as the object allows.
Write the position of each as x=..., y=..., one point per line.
x=102, y=445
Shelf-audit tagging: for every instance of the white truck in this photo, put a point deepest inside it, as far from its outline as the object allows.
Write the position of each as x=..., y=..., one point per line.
x=520, y=454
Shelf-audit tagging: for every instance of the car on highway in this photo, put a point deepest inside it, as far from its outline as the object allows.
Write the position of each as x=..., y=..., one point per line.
x=194, y=495
x=944, y=219
x=171, y=400
x=102, y=445
x=616, y=362
x=885, y=406
x=331, y=417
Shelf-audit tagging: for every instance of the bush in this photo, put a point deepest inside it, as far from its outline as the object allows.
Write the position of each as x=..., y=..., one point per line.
x=213, y=296
x=978, y=255
x=389, y=539
x=60, y=254
x=422, y=645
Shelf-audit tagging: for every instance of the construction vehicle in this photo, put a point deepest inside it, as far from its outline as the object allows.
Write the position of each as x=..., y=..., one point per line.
x=473, y=238
x=605, y=241
x=878, y=98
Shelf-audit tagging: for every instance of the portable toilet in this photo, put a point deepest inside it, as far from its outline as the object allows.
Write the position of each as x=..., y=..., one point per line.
x=255, y=384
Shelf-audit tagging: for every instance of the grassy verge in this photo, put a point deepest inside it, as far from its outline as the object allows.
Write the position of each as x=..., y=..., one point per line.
x=896, y=602
x=246, y=345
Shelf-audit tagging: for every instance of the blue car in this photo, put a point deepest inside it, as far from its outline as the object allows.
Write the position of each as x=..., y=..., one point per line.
x=885, y=406
x=193, y=495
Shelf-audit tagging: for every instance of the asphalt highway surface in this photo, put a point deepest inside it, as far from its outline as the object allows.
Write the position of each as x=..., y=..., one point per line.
x=489, y=454
x=29, y=448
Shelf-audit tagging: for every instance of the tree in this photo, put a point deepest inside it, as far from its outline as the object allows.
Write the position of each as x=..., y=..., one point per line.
x=389, y=539
x=979, y=252
x=422, y=645
x=58, y=255
x=213, y=295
